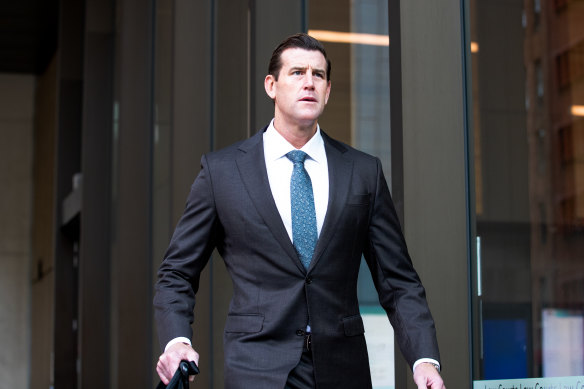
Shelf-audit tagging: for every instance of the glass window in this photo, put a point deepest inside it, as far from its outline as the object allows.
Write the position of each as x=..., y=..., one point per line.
x=355, y=35
x=528, y=128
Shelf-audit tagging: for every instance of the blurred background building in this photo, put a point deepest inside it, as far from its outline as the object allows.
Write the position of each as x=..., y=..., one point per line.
x=475, y=107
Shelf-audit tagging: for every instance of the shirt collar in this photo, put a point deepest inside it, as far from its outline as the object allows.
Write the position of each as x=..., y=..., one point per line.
x=275, y=146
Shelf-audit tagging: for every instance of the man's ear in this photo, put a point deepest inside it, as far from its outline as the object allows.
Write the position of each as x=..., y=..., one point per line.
x=270, y=86
x=328, y=92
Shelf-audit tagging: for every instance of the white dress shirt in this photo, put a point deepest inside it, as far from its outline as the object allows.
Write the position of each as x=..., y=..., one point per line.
x=280, y=168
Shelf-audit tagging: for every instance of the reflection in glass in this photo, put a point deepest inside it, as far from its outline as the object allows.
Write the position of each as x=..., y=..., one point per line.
x=355, y=35
x=358, y=111
x=529, y=180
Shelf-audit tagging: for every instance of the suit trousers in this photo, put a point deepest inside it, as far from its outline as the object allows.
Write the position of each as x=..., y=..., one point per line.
x=302, y=376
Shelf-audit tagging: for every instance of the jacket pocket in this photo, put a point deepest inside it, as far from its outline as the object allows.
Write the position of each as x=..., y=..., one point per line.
x=353, y=325
x=358, y=199
x=248, y=323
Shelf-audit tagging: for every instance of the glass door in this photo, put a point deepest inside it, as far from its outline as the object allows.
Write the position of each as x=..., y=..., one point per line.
x=355, y=35
x=528, y=129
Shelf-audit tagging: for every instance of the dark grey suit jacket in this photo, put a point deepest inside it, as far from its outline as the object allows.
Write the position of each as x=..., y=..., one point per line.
x=230, y=207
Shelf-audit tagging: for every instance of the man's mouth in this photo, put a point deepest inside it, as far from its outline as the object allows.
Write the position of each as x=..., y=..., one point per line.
x=309, y=99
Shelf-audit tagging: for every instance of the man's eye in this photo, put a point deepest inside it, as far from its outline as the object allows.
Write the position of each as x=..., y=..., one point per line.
x=297, y=73
x=319, y=75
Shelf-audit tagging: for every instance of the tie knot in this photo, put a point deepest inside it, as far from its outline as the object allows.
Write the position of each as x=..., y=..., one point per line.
x=297, y=156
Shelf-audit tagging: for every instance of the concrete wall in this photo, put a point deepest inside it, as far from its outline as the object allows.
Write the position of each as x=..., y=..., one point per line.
x=16, y=183
x=435, y=182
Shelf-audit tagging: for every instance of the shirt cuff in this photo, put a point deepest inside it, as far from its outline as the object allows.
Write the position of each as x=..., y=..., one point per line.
x=426, y=360
x=180, y=339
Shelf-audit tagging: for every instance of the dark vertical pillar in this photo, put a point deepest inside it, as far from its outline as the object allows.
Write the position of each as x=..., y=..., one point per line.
x=397, y=152
x=435, y=171
x=192, y=112
x=68, y=153
x=230, y=124
x=231, y=72
x=395, y=101
x=94, y=266
x=131, y=275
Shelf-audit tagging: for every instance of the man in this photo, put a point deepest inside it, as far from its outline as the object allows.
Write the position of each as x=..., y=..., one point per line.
x=291, y=211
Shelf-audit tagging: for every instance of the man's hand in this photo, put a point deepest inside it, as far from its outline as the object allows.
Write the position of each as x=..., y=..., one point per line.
x=427, y=377
x=169, y=361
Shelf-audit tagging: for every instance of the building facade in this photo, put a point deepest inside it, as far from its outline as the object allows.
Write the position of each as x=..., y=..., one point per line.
x=475, y=108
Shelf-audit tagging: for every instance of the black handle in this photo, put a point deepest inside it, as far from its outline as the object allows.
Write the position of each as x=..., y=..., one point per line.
x=189, y=368
x=180, y=379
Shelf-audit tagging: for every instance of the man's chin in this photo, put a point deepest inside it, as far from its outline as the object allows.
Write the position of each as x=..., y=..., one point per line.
x=309, y=115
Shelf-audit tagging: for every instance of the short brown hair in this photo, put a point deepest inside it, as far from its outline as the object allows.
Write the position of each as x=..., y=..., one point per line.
x=300, y=41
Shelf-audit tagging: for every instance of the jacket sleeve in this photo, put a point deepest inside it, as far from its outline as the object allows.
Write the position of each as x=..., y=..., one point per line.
x=400, y=291
x=189, y=251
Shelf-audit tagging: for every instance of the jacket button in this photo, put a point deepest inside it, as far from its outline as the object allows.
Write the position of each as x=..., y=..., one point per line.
x=309, y=280
x=300, y=332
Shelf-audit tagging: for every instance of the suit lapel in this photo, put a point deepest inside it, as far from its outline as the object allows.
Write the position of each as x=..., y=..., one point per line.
x=340, y=169
x=252, y=169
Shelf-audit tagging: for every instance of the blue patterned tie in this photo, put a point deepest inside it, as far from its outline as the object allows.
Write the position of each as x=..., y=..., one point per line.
x=304, y=233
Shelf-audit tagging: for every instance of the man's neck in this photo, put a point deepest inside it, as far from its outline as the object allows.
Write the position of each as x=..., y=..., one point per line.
x=296, y=135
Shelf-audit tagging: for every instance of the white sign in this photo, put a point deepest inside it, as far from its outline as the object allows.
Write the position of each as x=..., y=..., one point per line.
x=563, y=342
x=533, y=383
x=379, y=338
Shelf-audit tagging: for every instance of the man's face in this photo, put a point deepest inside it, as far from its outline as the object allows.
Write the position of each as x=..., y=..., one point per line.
x=302, y=90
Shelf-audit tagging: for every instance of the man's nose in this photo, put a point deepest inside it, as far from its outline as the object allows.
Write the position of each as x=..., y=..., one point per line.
x=309, y=80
